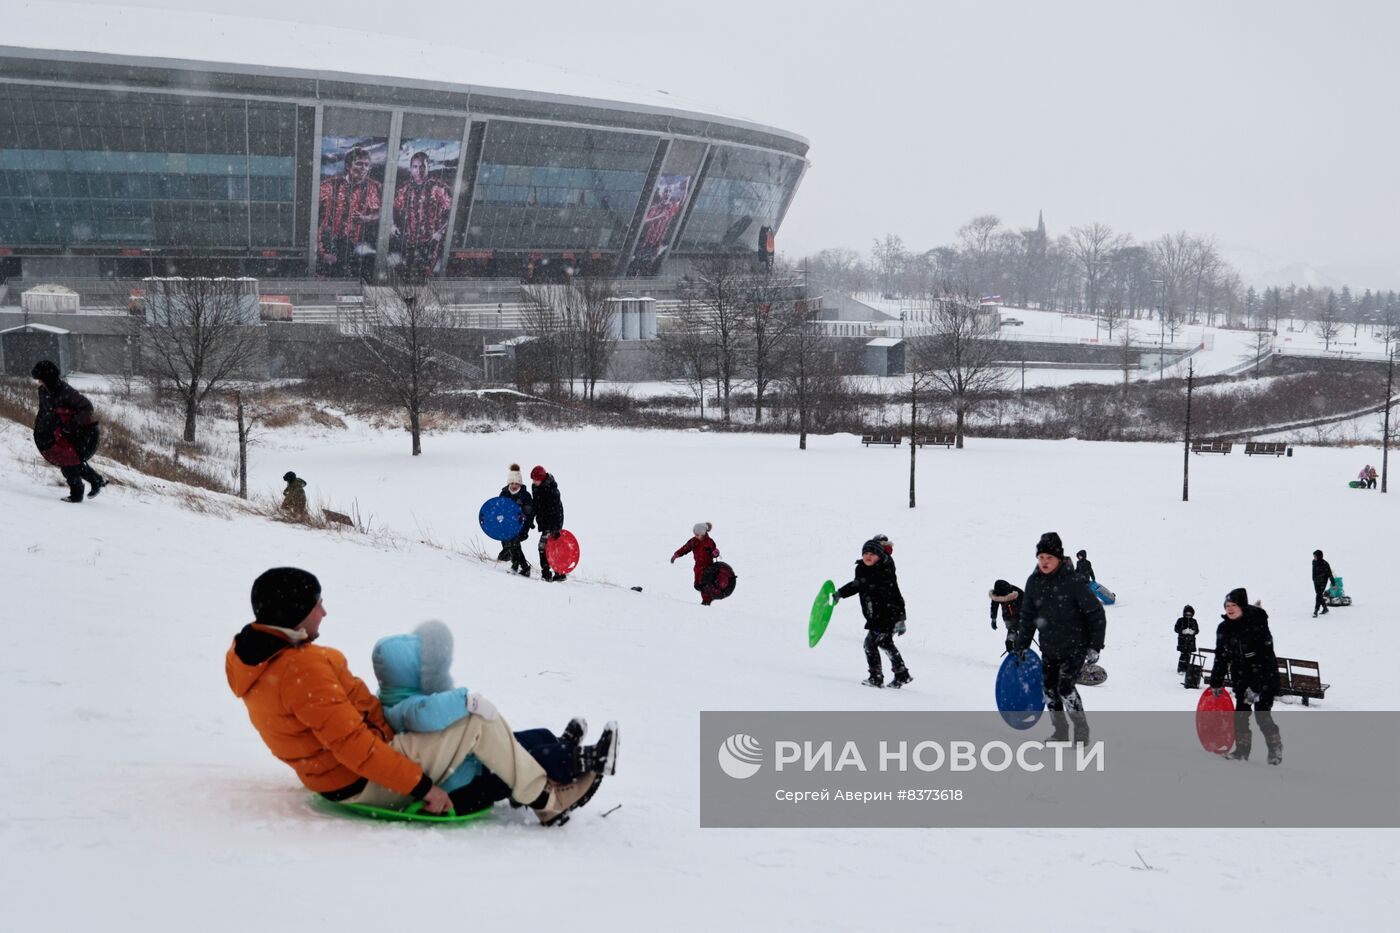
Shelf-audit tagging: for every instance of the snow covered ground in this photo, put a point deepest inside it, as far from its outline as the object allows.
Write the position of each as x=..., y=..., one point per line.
x=136, y=795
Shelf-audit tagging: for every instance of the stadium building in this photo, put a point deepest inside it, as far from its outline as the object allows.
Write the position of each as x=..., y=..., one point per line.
x=128, y=159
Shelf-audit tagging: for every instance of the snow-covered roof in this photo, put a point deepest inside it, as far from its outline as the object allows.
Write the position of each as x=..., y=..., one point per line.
x=50, y=290
x=42, y=328
x=884, y=342
x=245, y=44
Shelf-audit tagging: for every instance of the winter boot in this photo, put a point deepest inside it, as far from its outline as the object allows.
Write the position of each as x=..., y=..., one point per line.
x=560, y=577
x=1061, y=724
x=1324, y=609
x=523, y=570
x=1081, y=727
x=558, y=799
x=1275, y=749
x=575, y=731
x=602, y=755
x=1243, y=741
x=504, y=555
x=97, y=487
x=876, y=679
x=546, y=575
x=901, y=677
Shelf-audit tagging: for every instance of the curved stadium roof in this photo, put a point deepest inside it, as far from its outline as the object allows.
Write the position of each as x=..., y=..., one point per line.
x=189, y=41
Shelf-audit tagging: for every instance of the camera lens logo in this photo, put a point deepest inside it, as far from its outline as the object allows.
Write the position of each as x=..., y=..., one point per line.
x=741, y=756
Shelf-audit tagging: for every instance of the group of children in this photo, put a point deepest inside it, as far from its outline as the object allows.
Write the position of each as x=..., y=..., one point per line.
x=542, y=508
x=1367, y=477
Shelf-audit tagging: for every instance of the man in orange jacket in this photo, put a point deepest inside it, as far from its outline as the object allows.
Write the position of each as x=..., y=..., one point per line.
x=320, y=719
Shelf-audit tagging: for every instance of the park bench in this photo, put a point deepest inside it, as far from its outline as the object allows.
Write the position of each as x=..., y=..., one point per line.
x=1269, y=448
x=1296, y=677
x=1212, y=447
x=893, y=440
x=937, y=440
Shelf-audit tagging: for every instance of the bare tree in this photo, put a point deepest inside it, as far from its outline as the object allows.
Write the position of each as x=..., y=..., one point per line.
x=1092, y=247
x=772, y=317
x=715, y=304
x=809, y=356
x=245, y=428
x=402, y=334
x=1174, y=257
x=687, y=358
x=890, y=258
x=596, y=308
x=548, y=318
x=961, y=353
x=199, y=334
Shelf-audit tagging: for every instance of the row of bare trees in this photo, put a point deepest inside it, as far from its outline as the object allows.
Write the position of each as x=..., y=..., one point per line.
x=573, y=326
x=1181, y=278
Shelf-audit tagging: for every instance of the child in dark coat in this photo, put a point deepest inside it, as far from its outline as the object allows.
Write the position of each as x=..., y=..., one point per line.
x=515, y=490
x=706, y=553
x=1007, y=597
x=549, y=517
x=883, y=606
x=1186, y=631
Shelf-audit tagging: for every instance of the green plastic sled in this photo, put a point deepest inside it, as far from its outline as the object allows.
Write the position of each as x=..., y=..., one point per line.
x=822, y=608
x=413, y=813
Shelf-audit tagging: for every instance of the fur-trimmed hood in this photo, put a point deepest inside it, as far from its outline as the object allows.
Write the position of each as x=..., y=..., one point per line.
x=1009, y=597
x=407, y=665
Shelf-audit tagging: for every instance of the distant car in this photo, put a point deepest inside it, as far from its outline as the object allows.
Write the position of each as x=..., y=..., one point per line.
x=1011, y=322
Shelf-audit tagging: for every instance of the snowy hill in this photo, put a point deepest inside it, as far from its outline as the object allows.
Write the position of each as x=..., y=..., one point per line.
x=137, y=795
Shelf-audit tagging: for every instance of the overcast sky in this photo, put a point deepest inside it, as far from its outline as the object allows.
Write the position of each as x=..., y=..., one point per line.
x=1270, y=125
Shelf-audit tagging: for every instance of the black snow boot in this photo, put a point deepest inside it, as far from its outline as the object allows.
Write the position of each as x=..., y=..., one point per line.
x=601, y=757
x=575, y=730
x=1275, y=749
x=1081, y=727
x=1061, y=723
x=876, y=679
x=901, y=677
x=546, y=575
x=97, y=487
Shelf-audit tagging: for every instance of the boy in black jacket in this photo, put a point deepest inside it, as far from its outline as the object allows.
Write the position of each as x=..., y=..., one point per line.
x=1244, y=647
x=1186, y=631
x=65, y=430
x=1059, y=604
x=549, y=516
x=1322, y=578
x=883, y=606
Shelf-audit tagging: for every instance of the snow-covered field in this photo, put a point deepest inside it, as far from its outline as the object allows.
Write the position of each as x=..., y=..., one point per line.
x=136, y=796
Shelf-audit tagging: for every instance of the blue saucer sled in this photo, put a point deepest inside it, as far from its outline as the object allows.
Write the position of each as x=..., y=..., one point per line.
x=501, y=518
x=1020, y=692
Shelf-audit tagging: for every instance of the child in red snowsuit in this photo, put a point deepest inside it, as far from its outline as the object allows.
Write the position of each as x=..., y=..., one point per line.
x=706, y=553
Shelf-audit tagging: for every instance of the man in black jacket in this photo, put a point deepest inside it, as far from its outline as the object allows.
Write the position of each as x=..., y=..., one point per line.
x=1244, y=648
x=883, y=607
x=549, y=516
x=65, y=430
x=1060, y=606
x=1322, y=578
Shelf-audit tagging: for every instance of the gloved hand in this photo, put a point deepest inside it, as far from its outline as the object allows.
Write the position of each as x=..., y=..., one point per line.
x=994, y=622
x=835, y=598
x=673, y=558
x=1216, y=691
x=1020, y=656
x=1250, y=696
x=900, y=628
x=1091, y=656
x=478, y=705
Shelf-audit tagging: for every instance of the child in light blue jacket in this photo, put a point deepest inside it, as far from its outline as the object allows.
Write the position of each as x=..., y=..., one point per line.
x=416, y=690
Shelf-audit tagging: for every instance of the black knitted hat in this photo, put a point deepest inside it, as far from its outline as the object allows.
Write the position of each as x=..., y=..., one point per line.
x=1049, y=543
x=1238, y=596
x=284, y=596
x=46, y=371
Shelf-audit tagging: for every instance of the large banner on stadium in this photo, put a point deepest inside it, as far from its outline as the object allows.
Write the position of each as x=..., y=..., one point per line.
x=427, y=169
x=351, y=196
x=662, y=216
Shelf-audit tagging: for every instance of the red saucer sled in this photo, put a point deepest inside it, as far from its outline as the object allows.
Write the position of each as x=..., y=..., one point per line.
x=562, y=551
x=1215, y=721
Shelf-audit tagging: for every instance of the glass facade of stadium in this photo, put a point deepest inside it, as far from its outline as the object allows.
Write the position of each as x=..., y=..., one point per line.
x=127, y=168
